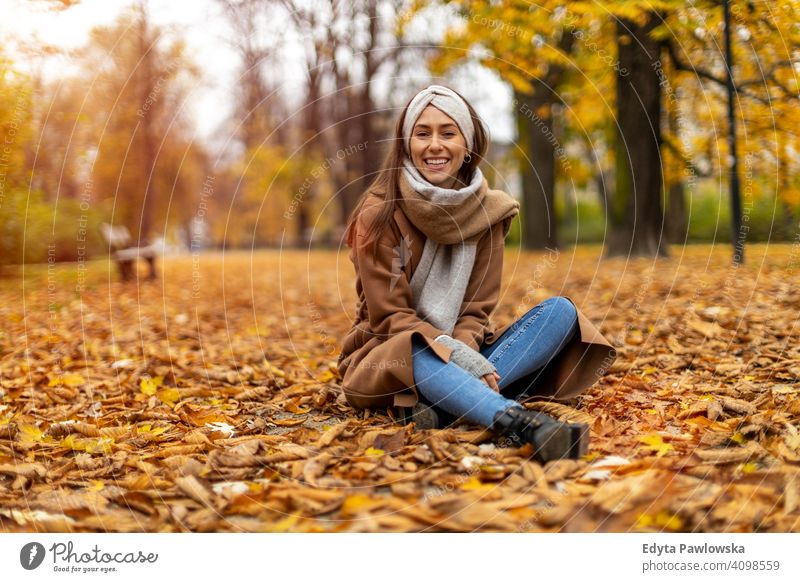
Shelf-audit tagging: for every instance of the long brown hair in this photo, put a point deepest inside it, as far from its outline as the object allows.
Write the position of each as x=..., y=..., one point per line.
x=386, y=182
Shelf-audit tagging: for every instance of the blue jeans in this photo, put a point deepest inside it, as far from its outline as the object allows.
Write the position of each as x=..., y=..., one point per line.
x=530, y=343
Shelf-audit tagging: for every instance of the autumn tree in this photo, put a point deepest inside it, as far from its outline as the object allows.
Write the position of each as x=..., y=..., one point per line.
x=258, y=109
x=16, y=95
x=636, y=217
x=140, y=81
x=348, y=47
x=531, y=47
x=764, y=47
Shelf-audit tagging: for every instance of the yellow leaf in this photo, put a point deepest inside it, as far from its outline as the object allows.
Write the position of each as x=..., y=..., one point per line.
x=96, y=485
x=71, y=443
x=30, y=434
x=749, y=468
x=285, y=524
x=276, y=371
x=356, y=502
x=661, y=520
x=101, y=445
x=591, y=456
x=475, y=484
x=68, y=380
x=147, y=429
x=169, y=395
x=649, y=370
x=738, y=438
x=372, y=452
x=326, y=376
x=149, y=385
x=656, y=443
x=73, y=380
x=651, y=411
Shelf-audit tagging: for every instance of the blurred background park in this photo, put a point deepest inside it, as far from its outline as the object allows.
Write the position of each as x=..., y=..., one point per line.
x=225, y=124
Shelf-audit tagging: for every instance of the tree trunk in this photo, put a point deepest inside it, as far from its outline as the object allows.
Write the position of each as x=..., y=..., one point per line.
x=535, y=126
x=676, y=199
x=637, y=219
x=604, y=182
x=149, y=139
x=676, y=213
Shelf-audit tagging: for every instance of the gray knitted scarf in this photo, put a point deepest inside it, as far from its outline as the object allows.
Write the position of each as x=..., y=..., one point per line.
x=440, y=280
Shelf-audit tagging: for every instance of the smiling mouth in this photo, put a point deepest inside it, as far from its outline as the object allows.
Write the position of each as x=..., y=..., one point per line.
x=436, y=163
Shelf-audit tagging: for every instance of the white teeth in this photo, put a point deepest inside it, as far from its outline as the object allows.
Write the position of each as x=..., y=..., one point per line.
x=436, y=162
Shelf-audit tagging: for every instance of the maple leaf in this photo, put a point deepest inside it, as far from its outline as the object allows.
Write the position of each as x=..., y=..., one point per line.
x=402, y=254
x=149, y=385
x=30, y=434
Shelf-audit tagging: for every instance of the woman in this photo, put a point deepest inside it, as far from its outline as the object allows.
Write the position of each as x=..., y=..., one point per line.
x=427, y=241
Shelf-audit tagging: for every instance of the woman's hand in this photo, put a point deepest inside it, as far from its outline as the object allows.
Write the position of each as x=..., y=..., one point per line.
x=491, y=381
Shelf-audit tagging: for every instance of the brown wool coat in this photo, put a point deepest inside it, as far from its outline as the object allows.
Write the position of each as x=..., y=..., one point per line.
x=375, y=362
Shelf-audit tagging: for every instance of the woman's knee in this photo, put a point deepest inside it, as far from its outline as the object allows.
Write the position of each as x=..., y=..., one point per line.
x=563, y=306
x=424, y=360
x=563, y=310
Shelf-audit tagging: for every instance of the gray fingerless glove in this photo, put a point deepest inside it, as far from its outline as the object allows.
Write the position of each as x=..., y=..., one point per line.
x=466, y=358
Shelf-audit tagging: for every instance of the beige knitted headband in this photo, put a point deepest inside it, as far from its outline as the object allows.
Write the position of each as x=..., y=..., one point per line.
x=447, y=101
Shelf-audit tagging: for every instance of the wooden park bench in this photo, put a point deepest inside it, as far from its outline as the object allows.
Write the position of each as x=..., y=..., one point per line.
x=119, y=240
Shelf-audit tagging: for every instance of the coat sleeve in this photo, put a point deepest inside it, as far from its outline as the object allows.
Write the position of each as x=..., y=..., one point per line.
x=483, y=289
x=386, y=287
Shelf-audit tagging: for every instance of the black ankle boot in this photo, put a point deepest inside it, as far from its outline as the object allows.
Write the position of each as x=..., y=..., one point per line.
x=550, y=438
x=425, y=416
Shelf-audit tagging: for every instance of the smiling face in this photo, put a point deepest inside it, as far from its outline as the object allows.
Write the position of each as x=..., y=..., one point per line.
x=438, y=147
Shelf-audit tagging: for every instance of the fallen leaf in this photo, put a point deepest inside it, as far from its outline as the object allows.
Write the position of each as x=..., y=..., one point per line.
x=656, y=443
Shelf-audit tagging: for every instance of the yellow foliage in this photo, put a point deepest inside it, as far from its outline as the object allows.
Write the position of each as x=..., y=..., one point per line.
x=661, y=520
x=71, y=380
x=30, y=434
x=149, y=385
x=169, y=395
x=655, y=443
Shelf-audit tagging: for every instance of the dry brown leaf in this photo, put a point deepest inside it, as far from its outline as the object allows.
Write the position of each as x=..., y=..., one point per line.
x=331, y=434
x=731, y=455
x=28, y=470
x=561, y=412
x=194, y=489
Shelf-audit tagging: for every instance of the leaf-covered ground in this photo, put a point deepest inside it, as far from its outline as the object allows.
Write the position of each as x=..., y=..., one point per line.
x=208, y=401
